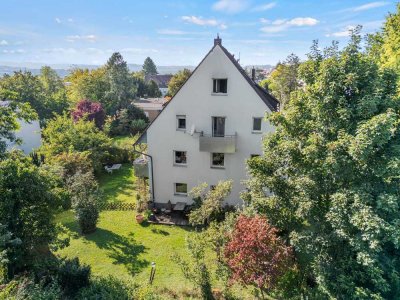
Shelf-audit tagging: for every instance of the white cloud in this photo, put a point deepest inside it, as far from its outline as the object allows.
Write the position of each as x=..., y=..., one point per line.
x=17, y=51
x=343, y=33
x=265, y=21
x=138, y=50
x=3, y=43
x=204, y=22
x=284, y=24
x=58, y=20
x=70, y=20
x=264, y=7
x=370, y=5
x=60, y=50
x=230, y=6
x=88, y=38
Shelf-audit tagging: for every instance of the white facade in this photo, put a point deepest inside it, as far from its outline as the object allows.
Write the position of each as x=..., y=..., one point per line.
x=198, y=104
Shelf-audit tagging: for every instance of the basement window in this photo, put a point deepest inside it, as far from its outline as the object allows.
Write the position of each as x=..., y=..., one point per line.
x=220, y=86
x=217, y=160
x=180, y=158
x=180, y=189
x=181, y=122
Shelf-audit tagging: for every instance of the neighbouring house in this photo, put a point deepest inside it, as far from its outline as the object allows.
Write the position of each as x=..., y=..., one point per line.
x=29, y=133
x=151, y=106
x=161, y=80
x=207, y=131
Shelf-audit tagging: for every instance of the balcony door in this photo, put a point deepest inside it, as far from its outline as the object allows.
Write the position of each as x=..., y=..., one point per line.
x=218, y=126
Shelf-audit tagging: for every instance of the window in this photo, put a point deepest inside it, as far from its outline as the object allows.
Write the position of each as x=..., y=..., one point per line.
x=257, y=124
x=218, y=126
x=217, y=160
x=181, y=122
x=220, y=86
x=180, y=157
x=180, y=189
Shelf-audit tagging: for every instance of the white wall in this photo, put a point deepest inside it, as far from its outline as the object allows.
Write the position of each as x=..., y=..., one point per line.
x=195, y=100
x=30, y=135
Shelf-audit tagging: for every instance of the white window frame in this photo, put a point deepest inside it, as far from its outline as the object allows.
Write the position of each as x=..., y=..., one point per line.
x=219, y=93
x=179, y=193
x=174, y=158
x=216, y=166
x=252, y=125
x=177, y=122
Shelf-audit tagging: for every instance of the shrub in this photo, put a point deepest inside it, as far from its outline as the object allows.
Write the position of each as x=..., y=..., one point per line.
x=87, y=214
x=131, y=120
x=89, y=110
x=108, y=288
x=72, y=276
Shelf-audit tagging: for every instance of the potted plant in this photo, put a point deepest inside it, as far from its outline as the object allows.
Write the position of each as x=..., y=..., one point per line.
x=139, y=218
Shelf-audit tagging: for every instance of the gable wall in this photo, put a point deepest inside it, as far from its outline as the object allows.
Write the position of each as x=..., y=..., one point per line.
x=195, y=100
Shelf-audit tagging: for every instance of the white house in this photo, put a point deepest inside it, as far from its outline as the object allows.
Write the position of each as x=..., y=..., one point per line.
x=29, y=133
x=208, y=130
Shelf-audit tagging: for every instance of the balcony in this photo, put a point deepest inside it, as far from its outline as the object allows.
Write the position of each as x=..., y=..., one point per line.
x=217, y=144
x=141, y=167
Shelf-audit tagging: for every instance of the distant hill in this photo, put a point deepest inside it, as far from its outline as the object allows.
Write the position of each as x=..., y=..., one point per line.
x=63, y=70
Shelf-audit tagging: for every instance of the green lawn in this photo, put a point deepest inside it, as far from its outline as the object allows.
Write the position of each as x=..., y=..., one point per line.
x=125, y=249
x=119, y=186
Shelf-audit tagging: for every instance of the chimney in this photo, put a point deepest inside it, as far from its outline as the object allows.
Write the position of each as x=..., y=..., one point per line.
x=217, y=41
x=253, y=74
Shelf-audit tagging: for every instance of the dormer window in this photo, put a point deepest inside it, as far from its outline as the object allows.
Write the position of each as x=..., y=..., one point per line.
x=220, y=86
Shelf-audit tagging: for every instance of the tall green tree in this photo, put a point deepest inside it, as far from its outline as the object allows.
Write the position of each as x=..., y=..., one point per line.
x=121, y=86
x=149, y=67
x=177, y=81
x=333, y=169
x=153, y=90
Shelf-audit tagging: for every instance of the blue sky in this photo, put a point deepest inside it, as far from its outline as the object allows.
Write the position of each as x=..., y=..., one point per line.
x=176, y=32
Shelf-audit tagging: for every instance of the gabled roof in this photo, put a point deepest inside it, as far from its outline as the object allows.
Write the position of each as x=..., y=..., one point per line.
x=267, y=98
x=161, y=80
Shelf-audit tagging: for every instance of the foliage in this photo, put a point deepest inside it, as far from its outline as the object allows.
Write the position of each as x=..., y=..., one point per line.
x=85, y=197
x=9, y=115
x=45, y=93
x=332, y=168
x=89, y=110
x=196, y=269
x=63, y=135
x=108, y=288
x=210, y=201
x=284, y=79
x=152, y=90
x=72, y=162
x=72, y=276
x=177, y=81
x=255, y=254
x=121, y=89
x=87, y=84
x=129, y=121
x=27, y=206
x=149, y=67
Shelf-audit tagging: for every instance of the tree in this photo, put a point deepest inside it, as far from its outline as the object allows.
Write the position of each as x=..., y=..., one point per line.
x=91, y=111
x=87, y=84
x=256, y=255
x=153, y=90
x=328, y=177
x=177, y=81
x=149, y=67
x=63, y=135
x=131, y=120
x=209, y=202
x=9, y=115
x=284, y=79
x=121, y=85
x=85, y=196
x=196, y=269
x=27, y=208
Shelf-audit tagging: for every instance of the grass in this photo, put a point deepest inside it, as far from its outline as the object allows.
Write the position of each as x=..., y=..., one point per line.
x=119, y=186
x=125, y=249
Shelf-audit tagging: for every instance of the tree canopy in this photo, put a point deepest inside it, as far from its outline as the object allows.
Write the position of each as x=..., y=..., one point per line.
x=332, y=167
x=177, y=81
x=149, y=67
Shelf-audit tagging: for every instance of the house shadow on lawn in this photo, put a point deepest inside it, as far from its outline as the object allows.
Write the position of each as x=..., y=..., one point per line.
x=123, y=250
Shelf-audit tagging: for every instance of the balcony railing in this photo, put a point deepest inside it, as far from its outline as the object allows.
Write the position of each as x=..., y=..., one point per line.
x=217, y=144
x=141, y=167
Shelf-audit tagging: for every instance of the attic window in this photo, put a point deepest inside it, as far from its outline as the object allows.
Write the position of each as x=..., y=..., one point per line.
x=220, y=86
